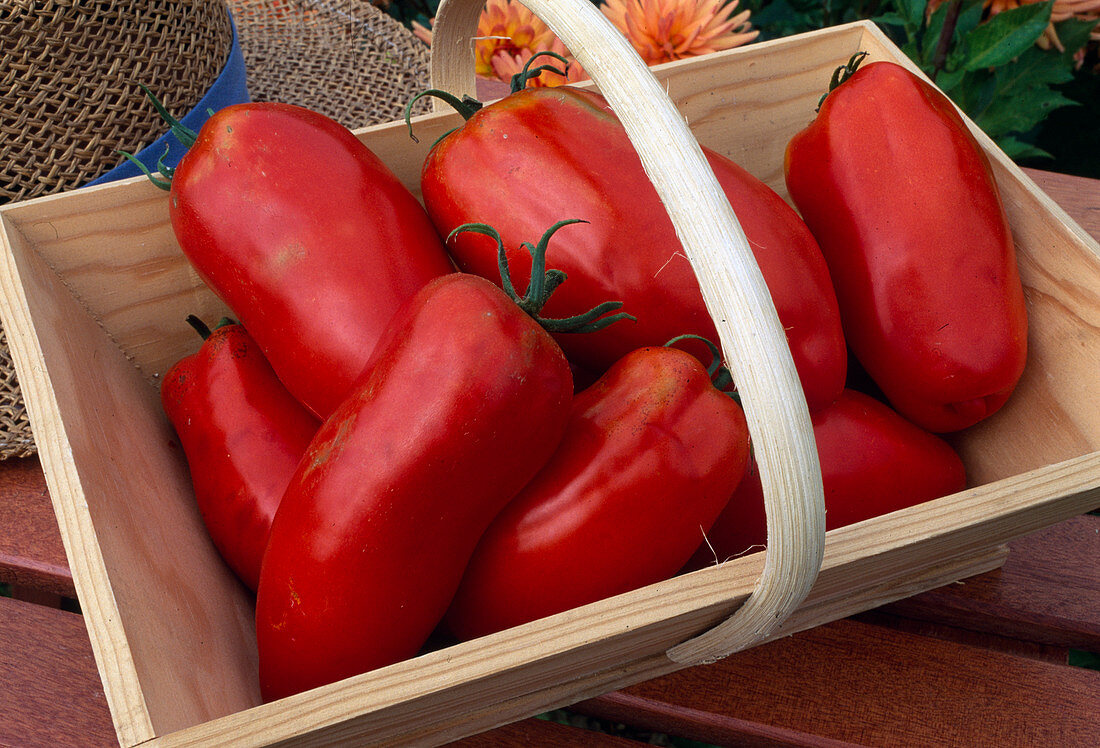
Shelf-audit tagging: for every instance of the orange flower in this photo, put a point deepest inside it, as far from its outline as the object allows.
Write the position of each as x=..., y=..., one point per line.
x=508, y=26
x=663, y=30
x=508, y=34
x=506, y=30
x=422, y=32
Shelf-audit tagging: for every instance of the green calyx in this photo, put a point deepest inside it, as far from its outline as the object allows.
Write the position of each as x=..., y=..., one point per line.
x=184, y=135
x=719, y=374
x=467, y=107
x=519, y=80
x=543, y=283
x=841, y=74
x=201, y=327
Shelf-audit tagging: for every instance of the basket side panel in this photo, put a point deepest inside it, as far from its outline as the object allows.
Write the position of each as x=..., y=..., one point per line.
x=141, y=558
x=114, y=250
x=1055, y=412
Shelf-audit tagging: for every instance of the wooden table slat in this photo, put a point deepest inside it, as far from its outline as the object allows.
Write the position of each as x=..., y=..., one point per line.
x=1048, y=591
x=852, y=682
x=31, y=552
x=1078, y=196
x=51, y=694
x=539, y=732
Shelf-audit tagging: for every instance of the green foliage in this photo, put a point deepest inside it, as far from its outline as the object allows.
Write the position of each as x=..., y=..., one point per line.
x=1071, y=133
x=407, y=11
x=1003, y=39
x=618, y=729
x=1080, y=658
x=778, y=18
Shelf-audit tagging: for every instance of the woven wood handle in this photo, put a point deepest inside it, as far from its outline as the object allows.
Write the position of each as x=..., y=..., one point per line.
x=751, y=335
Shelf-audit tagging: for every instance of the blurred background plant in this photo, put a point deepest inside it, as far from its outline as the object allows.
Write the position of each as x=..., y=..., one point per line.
x=1026, y=71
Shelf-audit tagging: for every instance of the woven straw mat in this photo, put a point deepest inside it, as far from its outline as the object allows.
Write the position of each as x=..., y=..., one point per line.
x=69, y=99
x=344, y=58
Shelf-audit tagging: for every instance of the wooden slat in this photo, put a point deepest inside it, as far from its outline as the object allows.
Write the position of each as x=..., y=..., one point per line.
x=51, y=695
x=852, y=682
x=536, y=732
x=31, y=552
x=1009, y=645
x=1047, y=592
x=1078, y=196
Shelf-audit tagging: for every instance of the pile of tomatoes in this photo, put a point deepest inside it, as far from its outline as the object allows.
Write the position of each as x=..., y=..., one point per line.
x=446, y=417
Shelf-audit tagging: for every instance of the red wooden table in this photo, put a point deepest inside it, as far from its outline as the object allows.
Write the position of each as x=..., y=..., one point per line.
x=990, y=661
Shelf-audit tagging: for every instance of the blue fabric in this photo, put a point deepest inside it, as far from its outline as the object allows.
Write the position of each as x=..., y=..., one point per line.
x=228, y=88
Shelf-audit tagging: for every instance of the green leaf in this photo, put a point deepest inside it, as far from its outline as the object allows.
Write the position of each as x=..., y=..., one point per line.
x=1074, y=34
x=969, y=17
x=975, y=92
x=890, y=19
x=1016, y=149
x=932, y=35
x=778, y=18
x=912, y=11
x=1021, y=112
x=1035, y=68
x=1024, y=93
x=910, y=50
x=948, y=80
x=1007, y=35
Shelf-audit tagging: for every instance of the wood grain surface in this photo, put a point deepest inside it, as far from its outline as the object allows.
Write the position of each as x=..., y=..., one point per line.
x=1046, y=592
x=34, y=557
x=911, y=672
x=865, y=684
x=51, y=694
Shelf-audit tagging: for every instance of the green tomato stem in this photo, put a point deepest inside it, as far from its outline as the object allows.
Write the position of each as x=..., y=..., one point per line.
x=543, y=282
x=466, y=106
x=720, y=375
x=200, y=327
x=519, y=80
x=841, y=74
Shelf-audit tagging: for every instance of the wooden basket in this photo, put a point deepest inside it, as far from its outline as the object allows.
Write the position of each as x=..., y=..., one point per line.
x=94, y=289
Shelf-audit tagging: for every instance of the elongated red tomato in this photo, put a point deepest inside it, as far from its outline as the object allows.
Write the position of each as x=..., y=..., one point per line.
x=306, y=235
x=465, y=399
x=906, y=209
x=651, y=455
x=873, y=462
x=544, y=154
x=243, y=435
